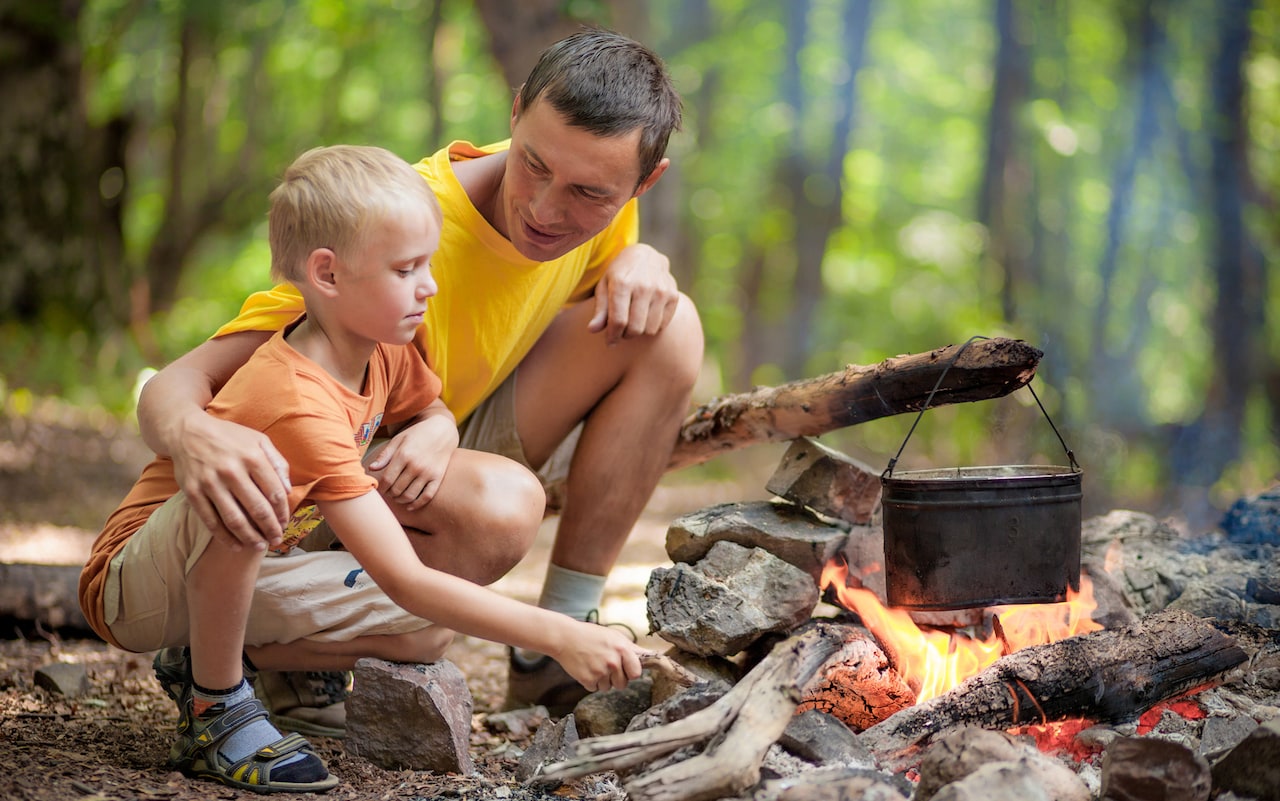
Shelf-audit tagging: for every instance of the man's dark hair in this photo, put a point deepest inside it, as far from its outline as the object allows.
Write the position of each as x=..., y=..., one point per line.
x=609, y=85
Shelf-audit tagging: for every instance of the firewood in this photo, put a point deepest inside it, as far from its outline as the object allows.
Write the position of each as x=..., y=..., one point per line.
x=674, y=672
x=858, y=685
x=1108, y=676
x=986, y=369
x=740, y=727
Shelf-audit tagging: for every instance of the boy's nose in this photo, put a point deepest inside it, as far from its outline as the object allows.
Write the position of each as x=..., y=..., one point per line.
x=428, y=288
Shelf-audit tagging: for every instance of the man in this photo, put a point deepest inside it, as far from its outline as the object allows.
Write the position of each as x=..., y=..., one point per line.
x=560, y=340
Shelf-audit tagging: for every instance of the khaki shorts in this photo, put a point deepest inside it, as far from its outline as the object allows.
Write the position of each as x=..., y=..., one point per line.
x=323, y=596
x=492, y=428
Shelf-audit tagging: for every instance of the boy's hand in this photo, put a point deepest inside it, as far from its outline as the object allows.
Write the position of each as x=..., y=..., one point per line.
x=410, y=467
x=600, y=658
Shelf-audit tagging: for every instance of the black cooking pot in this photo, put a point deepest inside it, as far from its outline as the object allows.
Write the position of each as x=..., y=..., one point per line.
x=964, y=537
x=981, y=536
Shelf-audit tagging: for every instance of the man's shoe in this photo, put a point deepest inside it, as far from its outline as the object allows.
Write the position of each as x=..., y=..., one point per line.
x=541, y=682
x=310, y=702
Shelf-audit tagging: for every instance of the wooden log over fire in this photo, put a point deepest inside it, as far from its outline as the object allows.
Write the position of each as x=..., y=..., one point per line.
x=986, y=369
x=1110, y=675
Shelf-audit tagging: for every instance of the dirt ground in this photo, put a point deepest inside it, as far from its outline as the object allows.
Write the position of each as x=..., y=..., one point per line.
x=61, y=473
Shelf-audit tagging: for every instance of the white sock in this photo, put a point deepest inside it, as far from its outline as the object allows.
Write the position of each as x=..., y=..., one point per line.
x=569, y=592
x=575, y=594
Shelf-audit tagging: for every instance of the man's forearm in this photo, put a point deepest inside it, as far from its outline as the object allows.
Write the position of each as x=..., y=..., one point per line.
x=166, y=401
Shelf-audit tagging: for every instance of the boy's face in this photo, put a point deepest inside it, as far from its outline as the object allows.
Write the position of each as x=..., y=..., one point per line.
x=563, y=185
x=385, y=282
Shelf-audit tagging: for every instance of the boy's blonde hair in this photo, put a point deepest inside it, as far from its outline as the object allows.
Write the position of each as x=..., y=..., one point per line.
x=327, y=198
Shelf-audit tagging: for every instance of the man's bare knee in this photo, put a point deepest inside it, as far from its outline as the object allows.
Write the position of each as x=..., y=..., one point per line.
x=511, y=504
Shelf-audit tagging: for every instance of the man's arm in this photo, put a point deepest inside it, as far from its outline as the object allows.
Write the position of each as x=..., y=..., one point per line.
x=234, y=477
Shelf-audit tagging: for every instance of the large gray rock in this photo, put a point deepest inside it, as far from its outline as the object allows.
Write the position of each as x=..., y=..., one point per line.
x=1151, y=769
x=728, y=600
x=827, y=481
x=785, y=530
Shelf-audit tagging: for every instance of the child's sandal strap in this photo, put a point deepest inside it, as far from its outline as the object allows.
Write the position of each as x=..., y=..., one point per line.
x=199, y=755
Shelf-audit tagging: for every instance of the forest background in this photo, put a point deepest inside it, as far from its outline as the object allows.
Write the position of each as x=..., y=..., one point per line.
x=855, y=179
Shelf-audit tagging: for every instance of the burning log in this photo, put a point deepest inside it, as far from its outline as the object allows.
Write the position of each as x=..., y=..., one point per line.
x=985, y=369
x=858, y=685
x=1107, y=676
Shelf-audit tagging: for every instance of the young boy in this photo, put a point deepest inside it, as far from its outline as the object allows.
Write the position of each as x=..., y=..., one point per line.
x=354, y=229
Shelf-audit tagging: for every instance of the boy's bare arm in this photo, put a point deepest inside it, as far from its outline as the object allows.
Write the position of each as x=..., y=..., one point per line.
x=410, y=467
x=233, y=475
x=597, y=656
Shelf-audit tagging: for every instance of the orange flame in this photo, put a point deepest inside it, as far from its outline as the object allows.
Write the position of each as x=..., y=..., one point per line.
x=934, y=661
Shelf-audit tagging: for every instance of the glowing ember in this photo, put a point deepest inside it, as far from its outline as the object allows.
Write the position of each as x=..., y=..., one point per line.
x=1059, y=737
x=934, y=661
x=1185, y=705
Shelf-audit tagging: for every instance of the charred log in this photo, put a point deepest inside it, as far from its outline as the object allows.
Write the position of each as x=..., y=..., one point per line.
x=1108, y=676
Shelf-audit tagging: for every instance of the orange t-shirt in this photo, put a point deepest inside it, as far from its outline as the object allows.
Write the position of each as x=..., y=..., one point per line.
x=320, y=427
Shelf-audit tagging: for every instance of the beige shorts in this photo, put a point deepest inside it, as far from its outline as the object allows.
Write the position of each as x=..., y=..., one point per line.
x=492, y=428
x=323, y=596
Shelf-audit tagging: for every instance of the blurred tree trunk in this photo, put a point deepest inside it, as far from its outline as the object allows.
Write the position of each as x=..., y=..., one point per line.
x=1203, y=450
x=810, y=179
x=1111, y=368
x=519, y=30
x=59, y=213
x=1003, y=198
x=202, y=190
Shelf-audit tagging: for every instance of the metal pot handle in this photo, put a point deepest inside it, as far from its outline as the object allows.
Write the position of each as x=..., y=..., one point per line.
x=888, y=471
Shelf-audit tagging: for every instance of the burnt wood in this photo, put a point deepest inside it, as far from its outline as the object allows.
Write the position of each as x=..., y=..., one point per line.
x=737, y=729
x=985, y=369
x=858, y=684
x=1107, y=676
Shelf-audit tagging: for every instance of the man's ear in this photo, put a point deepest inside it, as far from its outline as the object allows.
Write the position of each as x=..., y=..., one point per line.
x=515, y=108
x=652, y=178
x=320, y=271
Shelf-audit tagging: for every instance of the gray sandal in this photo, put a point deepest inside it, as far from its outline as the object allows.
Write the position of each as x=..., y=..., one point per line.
x=196, y=754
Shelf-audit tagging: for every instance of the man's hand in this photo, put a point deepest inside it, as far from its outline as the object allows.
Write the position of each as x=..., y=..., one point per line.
x=637, y=295
x=235, y=479
x=410, y=467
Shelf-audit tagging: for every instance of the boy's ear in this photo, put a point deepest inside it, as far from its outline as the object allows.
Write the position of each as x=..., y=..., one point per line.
x=320, y=271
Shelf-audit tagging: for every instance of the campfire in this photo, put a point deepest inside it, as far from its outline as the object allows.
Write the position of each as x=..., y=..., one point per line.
x=933, y=660
x=915, y=688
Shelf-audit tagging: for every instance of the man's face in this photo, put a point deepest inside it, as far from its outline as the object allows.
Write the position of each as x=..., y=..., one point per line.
x=563, y=184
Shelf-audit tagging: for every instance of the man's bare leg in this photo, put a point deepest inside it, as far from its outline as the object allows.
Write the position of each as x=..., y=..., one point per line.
x=483, y=519
x=632, y=398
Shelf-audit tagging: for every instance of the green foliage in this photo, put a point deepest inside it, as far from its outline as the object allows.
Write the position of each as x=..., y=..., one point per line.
x=909, y=266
